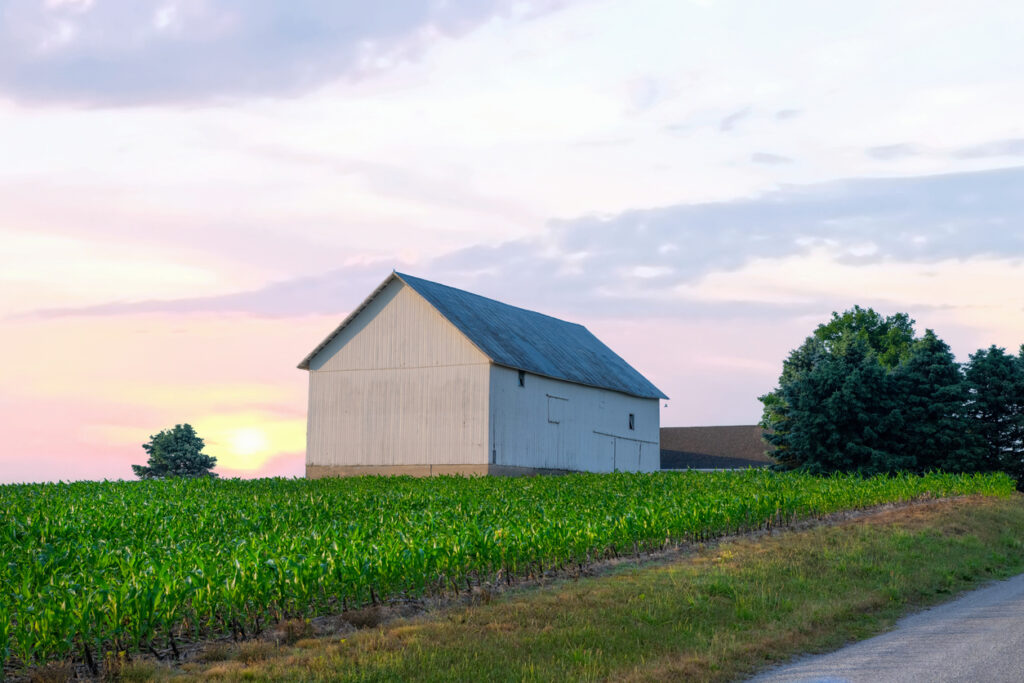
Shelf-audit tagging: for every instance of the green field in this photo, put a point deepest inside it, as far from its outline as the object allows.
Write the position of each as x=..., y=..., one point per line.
x=88, y=568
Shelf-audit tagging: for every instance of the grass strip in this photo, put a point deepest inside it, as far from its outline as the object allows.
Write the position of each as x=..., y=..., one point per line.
x=722, y=613
x=88, y=568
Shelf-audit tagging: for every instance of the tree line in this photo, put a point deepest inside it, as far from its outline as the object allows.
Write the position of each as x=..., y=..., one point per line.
x=864, y=393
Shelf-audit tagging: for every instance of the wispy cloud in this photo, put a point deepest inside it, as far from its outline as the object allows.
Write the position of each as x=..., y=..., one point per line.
x=324, y=293
x=770, y=159
x=1013, y=147
x=892, y=152
x=728, y=123
x=395, y=181
x=644, y=93
x=629, y=263
x=135, y=51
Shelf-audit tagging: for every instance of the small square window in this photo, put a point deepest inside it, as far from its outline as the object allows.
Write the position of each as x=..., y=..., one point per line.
x=632, y=421
x=522, y=378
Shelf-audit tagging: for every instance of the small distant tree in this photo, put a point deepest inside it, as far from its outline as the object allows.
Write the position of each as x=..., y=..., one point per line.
x=176, y=452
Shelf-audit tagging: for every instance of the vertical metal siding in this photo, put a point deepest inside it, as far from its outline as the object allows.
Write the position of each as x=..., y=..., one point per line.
x=593, y=432
x=398, y=329
x=399, y=386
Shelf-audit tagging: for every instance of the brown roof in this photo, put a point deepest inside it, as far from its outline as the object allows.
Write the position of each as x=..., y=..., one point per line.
x=708, y=447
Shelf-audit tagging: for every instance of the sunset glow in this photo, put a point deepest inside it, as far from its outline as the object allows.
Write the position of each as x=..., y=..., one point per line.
x=193, y=194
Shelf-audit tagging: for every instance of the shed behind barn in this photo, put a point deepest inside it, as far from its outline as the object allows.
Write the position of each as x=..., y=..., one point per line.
x=725, y=447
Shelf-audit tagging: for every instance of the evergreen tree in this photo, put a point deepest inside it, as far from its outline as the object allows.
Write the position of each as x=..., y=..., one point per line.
x=930, y=394
x=838, y=415
x=776, y=416
x=175, y=452
x=864, y=332
x=863, y=394
x=995, y=380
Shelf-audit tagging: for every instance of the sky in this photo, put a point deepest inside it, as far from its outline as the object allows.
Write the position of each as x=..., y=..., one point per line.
x=193, y=193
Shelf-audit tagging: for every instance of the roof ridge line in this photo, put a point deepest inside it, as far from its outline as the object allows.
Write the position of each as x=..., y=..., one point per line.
x=487, y=298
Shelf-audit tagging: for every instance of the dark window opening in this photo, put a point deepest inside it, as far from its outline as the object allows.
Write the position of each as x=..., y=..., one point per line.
x=632, y=421
x=522, y=378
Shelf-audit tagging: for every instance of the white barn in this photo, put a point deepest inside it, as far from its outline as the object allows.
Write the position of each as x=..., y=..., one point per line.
x=427, y=379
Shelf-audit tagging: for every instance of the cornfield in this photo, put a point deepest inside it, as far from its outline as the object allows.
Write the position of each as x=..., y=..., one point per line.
x=87, y=568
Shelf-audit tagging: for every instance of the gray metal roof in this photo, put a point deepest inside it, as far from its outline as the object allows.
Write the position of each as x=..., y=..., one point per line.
x=534, y=342
x=521, y=339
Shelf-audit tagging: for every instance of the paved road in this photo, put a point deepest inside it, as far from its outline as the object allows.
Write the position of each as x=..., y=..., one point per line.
x=979, y=637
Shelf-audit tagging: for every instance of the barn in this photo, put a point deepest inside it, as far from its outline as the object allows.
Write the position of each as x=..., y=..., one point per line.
x=426, y=379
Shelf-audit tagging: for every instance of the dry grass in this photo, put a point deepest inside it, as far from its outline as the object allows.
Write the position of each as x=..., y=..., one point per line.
x=575, y=630
x=367, y=617
x=215, y=652
x=723, y=612
x=52, y=673
x=292, y=631
x=140, y=670
x=257, y=651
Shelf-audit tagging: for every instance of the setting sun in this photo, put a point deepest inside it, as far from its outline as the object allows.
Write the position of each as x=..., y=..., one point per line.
x=246, y=441
x=249, y=441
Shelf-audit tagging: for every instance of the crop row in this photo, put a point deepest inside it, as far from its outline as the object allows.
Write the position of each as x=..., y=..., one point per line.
x=87, y=568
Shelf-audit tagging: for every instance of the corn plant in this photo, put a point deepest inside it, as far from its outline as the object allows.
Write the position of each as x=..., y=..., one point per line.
x=92, y=567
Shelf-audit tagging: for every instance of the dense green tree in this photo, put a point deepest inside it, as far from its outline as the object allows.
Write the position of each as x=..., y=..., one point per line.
x=885, y=339
x=776, y=418
x=995, y=380
x=176, y=452
x=930, y=395
x=839, y=415
x=862, y=393
x=890, y=337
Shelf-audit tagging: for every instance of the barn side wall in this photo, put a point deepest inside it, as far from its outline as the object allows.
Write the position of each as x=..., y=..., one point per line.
x=550, y=424
x=400, y=386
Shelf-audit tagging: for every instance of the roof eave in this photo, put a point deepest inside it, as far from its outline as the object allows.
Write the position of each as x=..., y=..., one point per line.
x=661, y=395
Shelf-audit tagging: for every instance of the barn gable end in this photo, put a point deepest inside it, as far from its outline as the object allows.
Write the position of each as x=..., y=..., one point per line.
x=396, y=386
x=396, y=328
